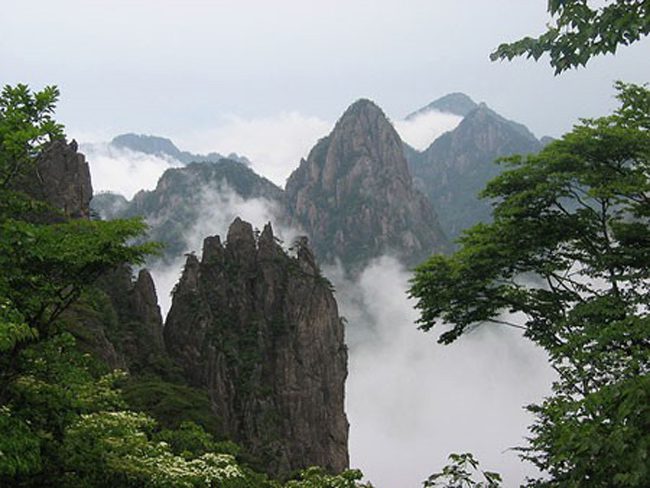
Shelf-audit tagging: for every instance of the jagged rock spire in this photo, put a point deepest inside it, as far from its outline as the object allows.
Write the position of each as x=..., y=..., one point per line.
x=261, y=333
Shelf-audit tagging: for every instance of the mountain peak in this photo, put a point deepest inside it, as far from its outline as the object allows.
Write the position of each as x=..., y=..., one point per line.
x=483, y=114
x=364, y=116
x=361, y=106
x=453, y=103
x=354, y=194
x=458, y=165
x=260, y=331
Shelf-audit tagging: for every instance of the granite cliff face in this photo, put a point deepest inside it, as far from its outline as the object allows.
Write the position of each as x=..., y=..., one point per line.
x=260, y=331
x=61, y=178
x=354, y=195
x=454, y=169
x=137, y=329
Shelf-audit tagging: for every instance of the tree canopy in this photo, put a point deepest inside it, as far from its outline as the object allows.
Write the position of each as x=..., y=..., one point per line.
x=568, y=252
x=578, y=31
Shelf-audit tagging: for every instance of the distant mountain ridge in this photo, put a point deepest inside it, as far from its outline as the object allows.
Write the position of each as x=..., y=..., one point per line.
x=161, y=146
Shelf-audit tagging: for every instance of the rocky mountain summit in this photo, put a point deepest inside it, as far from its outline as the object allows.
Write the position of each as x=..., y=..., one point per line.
x=453, y=103
x=354, y=195
x=454, y=169
x=260, y=331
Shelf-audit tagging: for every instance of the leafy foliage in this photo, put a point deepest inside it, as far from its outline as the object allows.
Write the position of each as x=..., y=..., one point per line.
x=26, y=125
x=569, y=250
x=170, y=403
x=579, y=32
x=458, y=474
x=317, y=478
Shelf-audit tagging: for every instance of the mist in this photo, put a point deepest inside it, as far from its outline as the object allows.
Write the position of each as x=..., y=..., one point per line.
x=420, y=131
x=274, y=144
x=124, y=171
x=411, y=401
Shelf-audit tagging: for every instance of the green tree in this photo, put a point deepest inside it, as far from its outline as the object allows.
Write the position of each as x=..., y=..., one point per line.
x=45, y=267
x=460, y=473
x=569, y=251
x=578, y=32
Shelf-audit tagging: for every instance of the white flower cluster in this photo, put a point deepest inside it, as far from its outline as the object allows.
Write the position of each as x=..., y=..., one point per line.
x=167, y=470
x=128, y=450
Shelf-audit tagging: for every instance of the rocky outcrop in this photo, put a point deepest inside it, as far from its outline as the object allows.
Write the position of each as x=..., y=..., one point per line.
x=354, y=195
x=118, y=320
x=454, y=169
x=260, y=331
x=137, y=332
x=63, y=179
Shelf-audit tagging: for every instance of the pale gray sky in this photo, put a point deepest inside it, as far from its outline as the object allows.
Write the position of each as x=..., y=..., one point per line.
x=176, y=68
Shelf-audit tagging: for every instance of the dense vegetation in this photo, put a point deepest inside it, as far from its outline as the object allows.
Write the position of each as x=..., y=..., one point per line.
x=569, y=252
x=63, y=419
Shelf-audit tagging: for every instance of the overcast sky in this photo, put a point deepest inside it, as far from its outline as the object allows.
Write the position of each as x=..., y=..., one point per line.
x=182, y=68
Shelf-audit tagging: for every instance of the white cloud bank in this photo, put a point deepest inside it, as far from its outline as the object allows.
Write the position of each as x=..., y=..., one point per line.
x=411, y=402
x=420, y=131
x=124, y=171
x=273, y=144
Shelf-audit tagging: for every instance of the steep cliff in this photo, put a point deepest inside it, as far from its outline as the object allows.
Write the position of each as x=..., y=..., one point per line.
x=118, y=320
x=137, y=329
x=354, y=195
x=260, y=331
x=61, y=178
x=456, y=166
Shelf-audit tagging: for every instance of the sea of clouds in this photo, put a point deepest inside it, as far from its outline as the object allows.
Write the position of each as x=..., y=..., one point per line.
x=275, y=145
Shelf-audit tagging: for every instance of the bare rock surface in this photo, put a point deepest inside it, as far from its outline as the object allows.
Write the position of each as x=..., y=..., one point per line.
x=354, y=195
x=260, y=330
